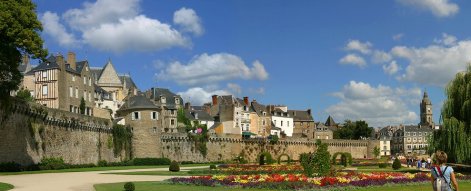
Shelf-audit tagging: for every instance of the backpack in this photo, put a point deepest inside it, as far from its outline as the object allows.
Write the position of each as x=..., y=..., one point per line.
x=440, y=183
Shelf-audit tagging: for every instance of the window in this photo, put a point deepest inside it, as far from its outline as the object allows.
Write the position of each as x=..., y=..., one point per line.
x=163, y=100
x=384, y=148
x=263, y=122
x=45, y=90
x=327, y=137
x=71, y=91
x=89, y=96
x=71, y=108
x=154, y=115
x=274, y=121
x=44, y=74
x=425, y=133
x=301, y=123
x=154, y=129
x=76, y=92
x=177, y=101
x=136, y=115
x=172, y=121
x=282, y=123
x=318, y=137
x=89, y=81
x=408, y=134
x=73, y=78
x=420, y=134
x=85, y=80
x=172, y=112
x=264, y=113
x=287, y=123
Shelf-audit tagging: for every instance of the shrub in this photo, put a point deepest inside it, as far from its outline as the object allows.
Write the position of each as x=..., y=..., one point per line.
x=383, y=165
x=129, y=186
x=212, y=167
x=265, y=158
x=102, y=163
x=396, y=164
x=52, y=163
x=343, y=160
x=10, y=167
x=174, y=166
x=151, y=161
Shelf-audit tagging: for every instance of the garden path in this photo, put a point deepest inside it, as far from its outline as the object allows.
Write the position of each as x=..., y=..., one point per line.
x=78, y=181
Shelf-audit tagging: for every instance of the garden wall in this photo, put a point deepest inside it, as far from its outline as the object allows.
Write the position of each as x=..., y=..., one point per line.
x=30, y=132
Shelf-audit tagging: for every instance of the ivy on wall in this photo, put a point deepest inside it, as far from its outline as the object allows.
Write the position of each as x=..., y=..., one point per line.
x=122, y=137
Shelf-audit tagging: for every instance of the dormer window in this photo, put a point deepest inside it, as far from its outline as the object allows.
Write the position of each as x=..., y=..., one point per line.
x=264, y=113
x=177, y=101
x=163, y=99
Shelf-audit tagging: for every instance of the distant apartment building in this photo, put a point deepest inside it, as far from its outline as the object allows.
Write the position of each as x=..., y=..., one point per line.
x=281, y=120
x=304, y=124
x=169, y=103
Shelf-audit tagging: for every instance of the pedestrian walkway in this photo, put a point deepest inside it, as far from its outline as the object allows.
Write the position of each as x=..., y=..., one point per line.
x=79, y=181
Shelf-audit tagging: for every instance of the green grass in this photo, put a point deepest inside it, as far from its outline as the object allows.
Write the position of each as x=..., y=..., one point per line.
x=95, y=169
x=145, y=186
x=5, y=186
x=165, y=173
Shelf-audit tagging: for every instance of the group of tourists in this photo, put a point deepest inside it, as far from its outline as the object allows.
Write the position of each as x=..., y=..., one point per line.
x=416, y=162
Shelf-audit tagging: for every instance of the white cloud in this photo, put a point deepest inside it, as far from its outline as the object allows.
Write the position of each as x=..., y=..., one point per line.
x=138, y=33
x=199, y=96
x=235, y=88
x=379, y=106
x=356, y=45
x=55, y=29
x=440, y=8
x=353, y=59
x=380, y=57
x=447, y=40
x=207, y=69
x=398, y=36
x=119, y=26
x=392, y=68
x=100, y=12
x=188, y=20
x=434, y=64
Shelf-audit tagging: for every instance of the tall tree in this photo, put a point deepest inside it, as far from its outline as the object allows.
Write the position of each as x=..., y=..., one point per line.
x=19, y=34
x=353, y=130
x=82, y=106
x=454, y=136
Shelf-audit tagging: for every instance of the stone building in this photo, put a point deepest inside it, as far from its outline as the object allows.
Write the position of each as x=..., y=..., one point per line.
x=322, y=132
x=145, y=119
x=61, y=84
x=227, y=111
x=199, y=116
x=169, y=103
x=304, y=124
x=112, y=88
x=263, y=119
x=281, y=119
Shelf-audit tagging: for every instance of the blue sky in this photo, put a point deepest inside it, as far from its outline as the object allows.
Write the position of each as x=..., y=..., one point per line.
x=367, y=60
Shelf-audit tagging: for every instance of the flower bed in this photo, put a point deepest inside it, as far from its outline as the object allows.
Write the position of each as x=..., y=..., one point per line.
x=300, y=181
x=232, y=169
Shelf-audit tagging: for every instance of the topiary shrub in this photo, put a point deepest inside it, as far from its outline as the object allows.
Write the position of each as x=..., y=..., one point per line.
x=129, y=186
x=102, y=163
x=52, y=164
x=265, y=158
x=212, y=167
x=174, y=167
x=383, y=165
x=396, y=164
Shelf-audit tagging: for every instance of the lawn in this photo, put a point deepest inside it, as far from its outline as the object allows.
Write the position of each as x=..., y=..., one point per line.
x=96, y=169
x=166, y=173
x=144, y=186
x=5, y=186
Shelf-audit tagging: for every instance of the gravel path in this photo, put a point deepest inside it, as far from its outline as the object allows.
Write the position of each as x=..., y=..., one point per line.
x=77, y=181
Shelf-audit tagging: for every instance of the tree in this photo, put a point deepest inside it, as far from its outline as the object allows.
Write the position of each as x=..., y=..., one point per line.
x=454, y=136
x=82, y=106
x=19, y=34
x=396, y=164
x=353, y=130
x=376, y=151
x=322, y=159
x=25, y=95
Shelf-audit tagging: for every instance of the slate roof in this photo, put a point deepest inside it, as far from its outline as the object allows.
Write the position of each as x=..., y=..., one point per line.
x=50, y=63
x=415, y=128
x=96, y=72
x=330, y=121
x=138, y=102
x=202, y=116
x=155, y=94
x=299, y=115
x=128, y=80
x=259, y=108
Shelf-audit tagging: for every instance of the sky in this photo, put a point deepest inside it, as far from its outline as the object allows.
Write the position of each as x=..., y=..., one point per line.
x=358, y=60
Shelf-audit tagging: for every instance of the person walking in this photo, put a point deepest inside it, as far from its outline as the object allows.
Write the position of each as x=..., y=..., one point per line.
x=443, y=177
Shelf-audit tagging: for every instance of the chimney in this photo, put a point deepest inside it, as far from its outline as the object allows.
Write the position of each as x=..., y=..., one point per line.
x=25, y=59
x=60, y=61
x=215, y=99
x=71, y=60
x=187, y=106
x=294, y=113
x=309, y=111
x=246, y=100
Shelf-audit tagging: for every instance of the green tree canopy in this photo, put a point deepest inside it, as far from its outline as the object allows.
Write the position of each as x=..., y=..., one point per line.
x=82, y=106
x=454, y=137
x=353, y=130
x=19, y=34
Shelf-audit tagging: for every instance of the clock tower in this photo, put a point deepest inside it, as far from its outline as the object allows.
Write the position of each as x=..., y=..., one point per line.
x=426, y=116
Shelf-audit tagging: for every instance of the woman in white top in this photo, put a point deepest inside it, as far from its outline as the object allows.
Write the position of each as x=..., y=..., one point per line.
x=442, y=169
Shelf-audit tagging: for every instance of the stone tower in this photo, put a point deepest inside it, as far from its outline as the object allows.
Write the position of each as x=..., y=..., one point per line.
x=426, y=116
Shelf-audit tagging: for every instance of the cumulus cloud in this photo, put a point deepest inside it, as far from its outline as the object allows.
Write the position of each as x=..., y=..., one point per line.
x=447, y=40
x=380, y=57
x=440, y=8
x=54, y=28
x=379, y=106
x=391, y=68
x=235, y=88
x=199, y=96
x=353, y=59
x=138, y=33
x=207, y=69
x=119, y=26
x=356, y=45
x=188, y=21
